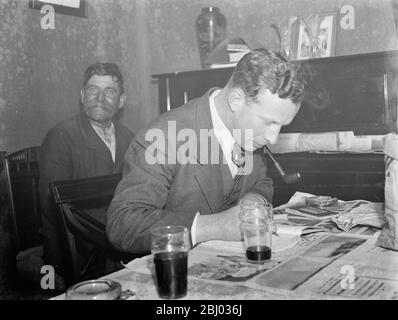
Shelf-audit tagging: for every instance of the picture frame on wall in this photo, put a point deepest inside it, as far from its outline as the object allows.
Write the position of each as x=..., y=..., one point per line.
x=316, y=36
x=69, y=7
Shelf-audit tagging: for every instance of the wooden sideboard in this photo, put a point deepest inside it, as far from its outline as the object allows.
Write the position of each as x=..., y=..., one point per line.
x=347, y=93
x=345, y=176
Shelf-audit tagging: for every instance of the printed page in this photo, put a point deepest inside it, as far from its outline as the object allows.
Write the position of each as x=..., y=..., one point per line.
x=312, y=268
x=368, y=272
x=217, y=264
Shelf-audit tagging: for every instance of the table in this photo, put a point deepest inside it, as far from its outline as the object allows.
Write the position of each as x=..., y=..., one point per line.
x=320, y=266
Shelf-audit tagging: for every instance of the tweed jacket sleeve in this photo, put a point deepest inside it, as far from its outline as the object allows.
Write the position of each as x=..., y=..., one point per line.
x=140, y=200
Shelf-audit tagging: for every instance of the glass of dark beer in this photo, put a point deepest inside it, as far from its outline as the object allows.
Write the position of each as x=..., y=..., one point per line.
x=170, y=246
x=257, y=226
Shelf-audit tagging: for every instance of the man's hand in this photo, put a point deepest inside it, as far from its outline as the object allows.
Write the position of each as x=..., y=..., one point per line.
x=219, y=226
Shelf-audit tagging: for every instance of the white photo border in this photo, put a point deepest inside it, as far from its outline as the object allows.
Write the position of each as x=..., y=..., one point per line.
x=81, y=11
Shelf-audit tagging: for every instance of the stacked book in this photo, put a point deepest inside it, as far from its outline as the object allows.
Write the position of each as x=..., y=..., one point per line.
x=236, y=51
x=229, y=52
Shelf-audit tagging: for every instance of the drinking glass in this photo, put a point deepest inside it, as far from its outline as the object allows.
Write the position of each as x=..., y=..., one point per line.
x=170, y=246
x=256, y=222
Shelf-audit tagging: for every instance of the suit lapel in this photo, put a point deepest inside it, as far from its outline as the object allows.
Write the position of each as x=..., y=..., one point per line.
x=208, y=173
x=209, y=182
x=119, y=154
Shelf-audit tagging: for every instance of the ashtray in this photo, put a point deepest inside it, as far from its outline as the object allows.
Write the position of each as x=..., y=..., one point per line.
x=101, y=289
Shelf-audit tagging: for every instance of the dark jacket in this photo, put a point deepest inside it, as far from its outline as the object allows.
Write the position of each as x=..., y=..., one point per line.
x=157, y=194
x=73, y=150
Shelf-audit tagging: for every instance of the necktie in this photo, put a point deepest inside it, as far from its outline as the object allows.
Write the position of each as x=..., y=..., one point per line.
x=238, y=156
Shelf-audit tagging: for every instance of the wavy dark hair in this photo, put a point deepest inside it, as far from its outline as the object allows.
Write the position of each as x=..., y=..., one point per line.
x=104, y=69
x=266, y=69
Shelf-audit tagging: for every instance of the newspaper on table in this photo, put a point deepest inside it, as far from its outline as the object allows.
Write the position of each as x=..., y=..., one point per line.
x=306, y=263
x=345, y=214
x=320, y=266
x=368, y=272
x=362, y=213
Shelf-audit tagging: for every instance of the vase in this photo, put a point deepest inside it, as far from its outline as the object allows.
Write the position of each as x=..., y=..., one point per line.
x=286, y=27
x=210, y=31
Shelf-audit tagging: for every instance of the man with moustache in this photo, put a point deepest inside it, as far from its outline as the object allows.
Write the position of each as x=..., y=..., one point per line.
x=87, y=145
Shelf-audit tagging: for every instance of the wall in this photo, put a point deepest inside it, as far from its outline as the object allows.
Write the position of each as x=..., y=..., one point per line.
x=171, y=51
x=40, y=70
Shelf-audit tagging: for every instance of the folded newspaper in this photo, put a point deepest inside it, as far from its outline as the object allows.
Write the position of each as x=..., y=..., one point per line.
x=346, y=214
x=363, y=213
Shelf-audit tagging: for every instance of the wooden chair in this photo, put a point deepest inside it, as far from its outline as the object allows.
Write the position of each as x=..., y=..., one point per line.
x=83, y=205
x=21, y=177
x=21, y=200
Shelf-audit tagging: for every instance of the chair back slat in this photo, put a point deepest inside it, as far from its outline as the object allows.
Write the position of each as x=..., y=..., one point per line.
x=10, y=202
x=26, y=155
x=71, y=191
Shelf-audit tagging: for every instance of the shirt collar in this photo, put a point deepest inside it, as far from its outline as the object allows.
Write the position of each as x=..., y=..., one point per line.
x=223, y=135
x=107, y=131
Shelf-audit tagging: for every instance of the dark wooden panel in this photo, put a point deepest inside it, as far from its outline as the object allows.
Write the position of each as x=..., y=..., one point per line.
x=180, y=87
x=183, y=89
x=348, y=93
x=345, y=176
